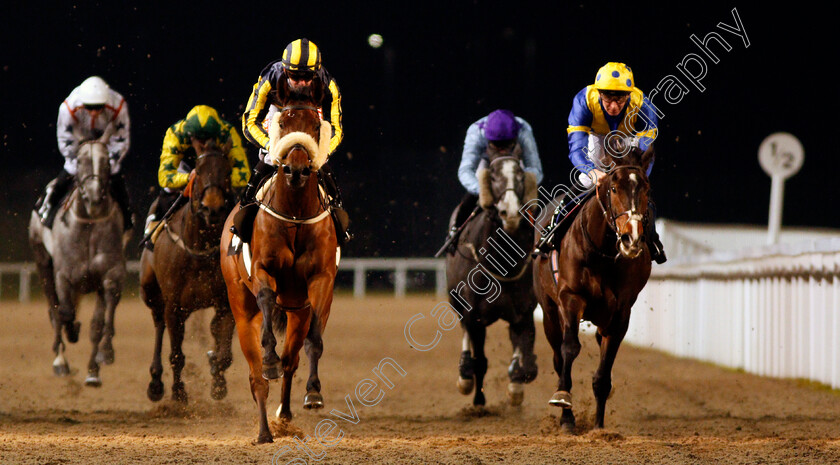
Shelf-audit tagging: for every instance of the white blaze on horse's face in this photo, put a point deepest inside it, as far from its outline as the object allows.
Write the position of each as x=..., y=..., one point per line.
x=630, y=238
x=508, y=204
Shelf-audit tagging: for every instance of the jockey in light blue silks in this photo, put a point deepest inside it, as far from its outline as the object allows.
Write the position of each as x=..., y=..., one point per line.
x=500, y=131
x=612, y=105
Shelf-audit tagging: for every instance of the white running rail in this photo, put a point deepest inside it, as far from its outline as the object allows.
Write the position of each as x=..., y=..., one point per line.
x=772, y=311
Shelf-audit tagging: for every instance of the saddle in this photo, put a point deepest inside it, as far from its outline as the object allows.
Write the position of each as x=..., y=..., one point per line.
x=560, y=224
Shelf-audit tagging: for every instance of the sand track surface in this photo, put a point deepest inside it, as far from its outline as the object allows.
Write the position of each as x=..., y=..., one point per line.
x=663, y=409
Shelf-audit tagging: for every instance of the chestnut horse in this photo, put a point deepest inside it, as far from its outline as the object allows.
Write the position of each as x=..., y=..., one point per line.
x=599, y=268
x=283, y=279
x=182, y=274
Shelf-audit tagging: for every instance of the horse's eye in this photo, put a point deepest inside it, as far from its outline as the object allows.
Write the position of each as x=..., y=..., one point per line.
x=612, y=189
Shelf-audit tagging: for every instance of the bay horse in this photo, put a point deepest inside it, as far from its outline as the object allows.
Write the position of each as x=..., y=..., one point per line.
x=283, y=279
x=182, y=274
x=595, y=273
x=489, y=275
x=83, y=253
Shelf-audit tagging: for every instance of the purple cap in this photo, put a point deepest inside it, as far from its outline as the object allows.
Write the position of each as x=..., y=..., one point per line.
x=501, y=125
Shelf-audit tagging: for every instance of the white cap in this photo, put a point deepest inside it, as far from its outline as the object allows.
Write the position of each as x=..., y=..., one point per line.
x=93, y=91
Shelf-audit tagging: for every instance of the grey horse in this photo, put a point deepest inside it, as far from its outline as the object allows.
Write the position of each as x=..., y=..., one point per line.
x=83, y=253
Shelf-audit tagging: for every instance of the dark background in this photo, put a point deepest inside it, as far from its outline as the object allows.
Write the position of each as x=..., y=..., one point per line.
x=408, y=104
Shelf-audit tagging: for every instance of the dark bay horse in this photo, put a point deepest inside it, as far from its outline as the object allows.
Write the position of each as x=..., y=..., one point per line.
x=283, y=280
x=595, y=274
x=182, y=274
x=490, y=277
x=83, y=253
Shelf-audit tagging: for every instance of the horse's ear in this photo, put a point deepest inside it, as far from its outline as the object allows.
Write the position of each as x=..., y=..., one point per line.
x=485, y=190
x=318, y=89
x=282, y=89
x=647, y=158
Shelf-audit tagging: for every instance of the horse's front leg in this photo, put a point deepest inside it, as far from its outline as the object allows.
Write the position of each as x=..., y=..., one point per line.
x=67, y=298
x=572, y=307
x=112, y=294
x=523, y=366
x=220, y=359
x=97, y=324
x=267, y=303
x=321, y=296
x=602, y=379
x=175, y=325
x=478, y=334
x=60, y=366
x=297, y=326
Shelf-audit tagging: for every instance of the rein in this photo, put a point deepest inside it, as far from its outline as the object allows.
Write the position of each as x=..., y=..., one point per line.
x=178, y=240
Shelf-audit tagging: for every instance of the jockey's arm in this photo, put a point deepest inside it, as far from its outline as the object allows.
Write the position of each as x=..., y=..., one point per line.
x=646, y=136
x=334, y=115
x=240, y=172
x=119, y=141
x=255, y=111
x=67, y=143
x=474, y=146
x=580, y=122
x=530, y=154
x=170, y=157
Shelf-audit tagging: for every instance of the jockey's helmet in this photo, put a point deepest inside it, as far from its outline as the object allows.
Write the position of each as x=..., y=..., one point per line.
x=301, y=56
x=501, y=125
x=203, y=122
x=615, y=77
x=93, y=91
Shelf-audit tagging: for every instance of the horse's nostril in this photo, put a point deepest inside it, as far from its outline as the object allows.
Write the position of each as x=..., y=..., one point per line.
x=503, y=212
x=306, y=172
x=287, y=169
x=625, y=238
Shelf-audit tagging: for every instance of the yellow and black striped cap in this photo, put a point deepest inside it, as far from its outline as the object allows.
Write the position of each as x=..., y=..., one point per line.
x=302, y=55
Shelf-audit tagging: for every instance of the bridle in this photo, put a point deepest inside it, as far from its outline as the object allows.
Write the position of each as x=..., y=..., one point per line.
x=285, y=168
x=200, y=195
x=610, y=217
x=503, y=158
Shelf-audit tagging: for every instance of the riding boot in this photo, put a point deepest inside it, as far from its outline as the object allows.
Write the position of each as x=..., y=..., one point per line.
x=462, y=212
x=341, y=219
x=261, y=171
x=56, y=191
x=657, y=250
x=120, y=193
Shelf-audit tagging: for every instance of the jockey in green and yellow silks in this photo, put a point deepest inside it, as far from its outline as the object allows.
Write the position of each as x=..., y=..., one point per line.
x=612, y=106
x=178, y=156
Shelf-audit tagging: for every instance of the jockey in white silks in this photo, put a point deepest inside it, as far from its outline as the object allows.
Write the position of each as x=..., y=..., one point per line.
x=92, y=111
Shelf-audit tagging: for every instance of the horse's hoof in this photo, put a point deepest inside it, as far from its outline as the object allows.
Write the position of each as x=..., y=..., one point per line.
x=72, y=330
x=179, y=394
x=465, y=386
x=155, y=391
x=105, y=356
x=93, y=381
x=313, y=400
x=568, y=427
x=561, y=399
x=61, y=369
x=264, y=438
x=270, y=372
x=282, y=415
x=219, y=389
x=516, y=393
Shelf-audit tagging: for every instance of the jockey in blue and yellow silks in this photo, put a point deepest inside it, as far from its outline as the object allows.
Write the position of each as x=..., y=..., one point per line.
x=177, y=157
x=298, y=68
x=612, y=106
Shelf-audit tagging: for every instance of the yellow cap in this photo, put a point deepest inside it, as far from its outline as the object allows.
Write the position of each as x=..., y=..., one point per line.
x=614, y=76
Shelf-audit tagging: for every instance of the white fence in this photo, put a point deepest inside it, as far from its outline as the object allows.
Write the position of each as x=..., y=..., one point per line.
x=772, y=311
x=359, y=266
